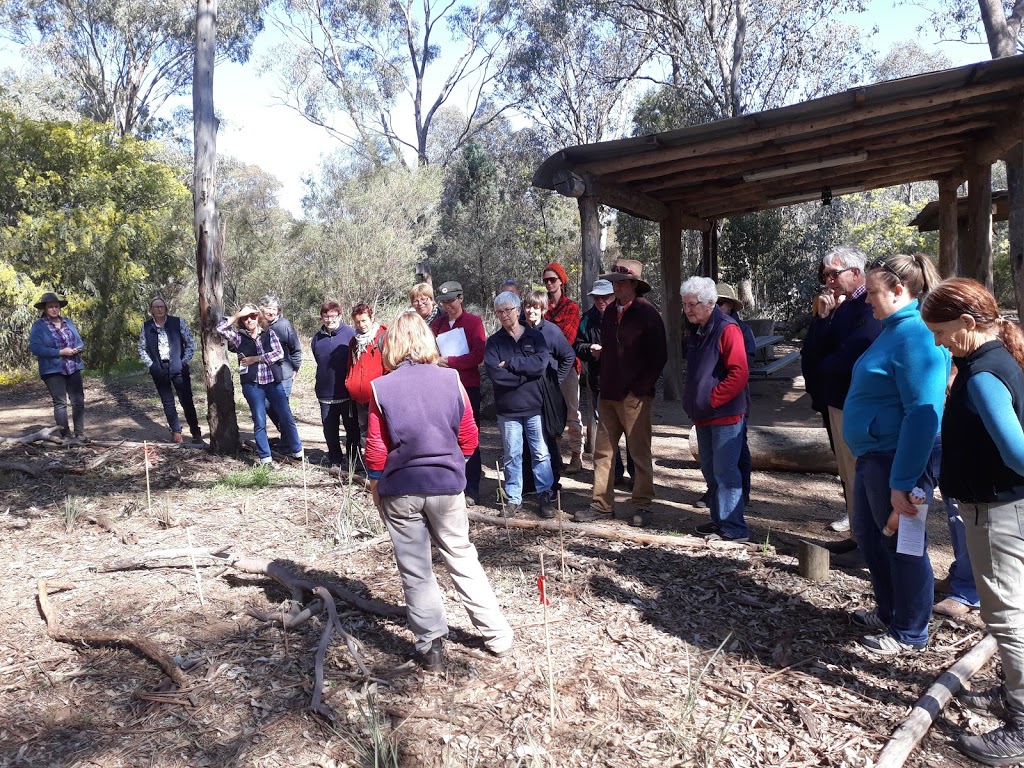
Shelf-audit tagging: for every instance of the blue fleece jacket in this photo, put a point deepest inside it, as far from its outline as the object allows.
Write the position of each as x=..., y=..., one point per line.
x=896, y=396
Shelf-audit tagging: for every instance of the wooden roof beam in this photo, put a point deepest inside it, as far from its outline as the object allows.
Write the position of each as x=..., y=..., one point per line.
x=796, y=128
x=943, y=121
x=1002, y=139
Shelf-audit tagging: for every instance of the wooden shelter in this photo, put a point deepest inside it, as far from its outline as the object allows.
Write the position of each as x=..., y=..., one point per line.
x=947, y=126
x=927, y=220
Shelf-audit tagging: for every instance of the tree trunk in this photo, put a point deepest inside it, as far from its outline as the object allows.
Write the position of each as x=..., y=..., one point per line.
x=590, y=228
x=220, y=390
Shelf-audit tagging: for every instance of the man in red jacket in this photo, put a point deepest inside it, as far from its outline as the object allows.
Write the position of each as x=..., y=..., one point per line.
x=565, y=313
x=634, y=351
x=461, y=339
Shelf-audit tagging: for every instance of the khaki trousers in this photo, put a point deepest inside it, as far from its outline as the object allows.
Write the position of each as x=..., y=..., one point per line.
x=573, y=426
x=632, y=417
x=846, y=461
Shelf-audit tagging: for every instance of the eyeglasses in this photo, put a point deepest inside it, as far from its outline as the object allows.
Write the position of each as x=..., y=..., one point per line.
x=622, y=270
x=882, y=264
x=691, y=305
x=506, y=310
x=330, y=317
x=550, y=279
x=422, y=300
x=833, y=274
x=250, y=317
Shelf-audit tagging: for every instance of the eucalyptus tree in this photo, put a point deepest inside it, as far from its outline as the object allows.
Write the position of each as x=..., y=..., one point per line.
x=125, y=58
x=376, y=73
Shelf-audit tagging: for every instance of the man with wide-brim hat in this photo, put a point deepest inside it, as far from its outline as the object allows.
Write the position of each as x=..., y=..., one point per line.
x=633, y=354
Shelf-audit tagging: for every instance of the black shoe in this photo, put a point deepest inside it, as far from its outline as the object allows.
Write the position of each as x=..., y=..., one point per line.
x=641, y=518
x=431, y=659
x=470, y=501
x=1003, y=746
x=590, y=514
x=708, y=529
x=704, y=501
x=991, y=702
x=624, y=482
x=511, y=510
x=544, y=502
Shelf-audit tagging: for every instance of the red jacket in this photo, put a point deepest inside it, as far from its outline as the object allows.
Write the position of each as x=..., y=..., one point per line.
x=467, y=365
x=365, y=368
x=567, y=317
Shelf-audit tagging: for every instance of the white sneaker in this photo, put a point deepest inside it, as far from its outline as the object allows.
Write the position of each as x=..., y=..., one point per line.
x=840, y=525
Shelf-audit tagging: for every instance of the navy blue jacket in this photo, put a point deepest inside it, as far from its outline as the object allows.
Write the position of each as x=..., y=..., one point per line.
x=518, y=391
x=330, y=351
x=831, y=353
x=562, y=357
x=290, y=344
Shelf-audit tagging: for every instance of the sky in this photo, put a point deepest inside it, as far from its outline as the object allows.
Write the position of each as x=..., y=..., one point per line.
x=258, y=130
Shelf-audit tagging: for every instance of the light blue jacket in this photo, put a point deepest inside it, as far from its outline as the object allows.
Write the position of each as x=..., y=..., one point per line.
x=896, y=396
x=44, y=346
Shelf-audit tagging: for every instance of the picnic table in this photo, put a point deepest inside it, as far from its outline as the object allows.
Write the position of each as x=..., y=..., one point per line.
x=765, y=362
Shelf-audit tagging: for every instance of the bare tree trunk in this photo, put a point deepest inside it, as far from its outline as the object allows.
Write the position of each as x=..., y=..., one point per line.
x=590, y=227
x=220, y=390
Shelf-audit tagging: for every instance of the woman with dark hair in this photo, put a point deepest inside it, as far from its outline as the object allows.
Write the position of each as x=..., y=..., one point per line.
x=364, y=365
x=330, y=347
x=891, y=422
x=58, y=346
x=259, y=371
x=983, y=467
x=421, y=433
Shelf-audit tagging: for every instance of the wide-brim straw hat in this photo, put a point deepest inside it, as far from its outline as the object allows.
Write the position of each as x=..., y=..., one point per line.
x=48, y=298
x=727, y=292
x=628, y=269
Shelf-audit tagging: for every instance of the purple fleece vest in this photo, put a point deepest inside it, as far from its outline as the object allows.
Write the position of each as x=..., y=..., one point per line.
x=704, y=371
x=422, y=408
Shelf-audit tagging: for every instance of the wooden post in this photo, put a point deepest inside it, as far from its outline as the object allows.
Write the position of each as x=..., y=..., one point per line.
x=979, y=222
x=705, y=252
x=949, y=263
x=671, y=303
x=590, y=229
x=220, y=390
x=812, y=561
x=716, y=230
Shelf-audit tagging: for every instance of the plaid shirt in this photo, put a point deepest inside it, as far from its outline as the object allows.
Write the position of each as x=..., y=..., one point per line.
x=276, y=354
x=64, y=338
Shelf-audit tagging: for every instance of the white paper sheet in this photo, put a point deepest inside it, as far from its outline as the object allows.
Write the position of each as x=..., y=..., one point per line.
x=910, y=539
x=453, y=343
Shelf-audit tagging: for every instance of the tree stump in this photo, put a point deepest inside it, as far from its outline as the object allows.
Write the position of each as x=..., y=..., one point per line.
x=785, y=449
x=812, y=561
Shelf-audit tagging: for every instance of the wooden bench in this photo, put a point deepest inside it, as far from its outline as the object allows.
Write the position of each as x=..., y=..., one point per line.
x=767, y=369
x=763, y=352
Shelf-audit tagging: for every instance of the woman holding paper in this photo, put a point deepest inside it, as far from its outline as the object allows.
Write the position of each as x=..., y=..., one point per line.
x=983, y=467
x=891, y=420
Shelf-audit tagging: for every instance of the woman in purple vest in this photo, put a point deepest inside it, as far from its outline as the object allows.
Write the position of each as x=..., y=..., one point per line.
x=421, y=432
x=166, y=348
x=259, y=370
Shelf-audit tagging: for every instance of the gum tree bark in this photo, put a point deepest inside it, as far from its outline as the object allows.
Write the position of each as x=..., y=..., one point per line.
x=220, y=391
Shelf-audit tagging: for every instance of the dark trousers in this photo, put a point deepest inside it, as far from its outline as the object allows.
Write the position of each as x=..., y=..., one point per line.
x=333, y=415
x=474, y=467
x=166, y=386
x=63, y=388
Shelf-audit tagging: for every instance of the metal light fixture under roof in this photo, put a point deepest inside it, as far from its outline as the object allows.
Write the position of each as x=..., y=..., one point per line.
x=814, y=165
x=814, y=194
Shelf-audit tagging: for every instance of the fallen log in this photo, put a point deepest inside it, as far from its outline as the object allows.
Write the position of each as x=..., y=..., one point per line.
x=125, y=537
x=910, y=732
x=48, y=434
x=19, y=466
x=158, y=557
x=553, y=526
x=281, y=572
x=785, y=449
x=141, y=645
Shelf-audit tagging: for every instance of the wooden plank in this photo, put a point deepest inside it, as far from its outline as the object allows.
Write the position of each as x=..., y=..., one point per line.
x=948, y=261
x=979, y=211
x=765, y=341
x=671, y=230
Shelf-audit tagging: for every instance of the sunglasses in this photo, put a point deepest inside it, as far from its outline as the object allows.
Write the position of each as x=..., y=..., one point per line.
x=618, y=268
x=882, y=264
x=550, y=279
x=250, y=317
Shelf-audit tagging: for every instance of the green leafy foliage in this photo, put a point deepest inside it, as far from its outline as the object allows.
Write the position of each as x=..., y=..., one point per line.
x=87, y=213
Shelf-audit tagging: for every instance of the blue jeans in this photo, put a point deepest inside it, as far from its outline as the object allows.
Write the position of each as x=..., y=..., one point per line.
x=512, y=429
x=272, y=411
x=903, y=584
x=961, y=577
x=258, y=396
x=720, y=448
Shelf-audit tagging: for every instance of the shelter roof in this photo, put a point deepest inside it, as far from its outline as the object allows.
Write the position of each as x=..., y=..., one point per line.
x=927, y=219
x=899, y=131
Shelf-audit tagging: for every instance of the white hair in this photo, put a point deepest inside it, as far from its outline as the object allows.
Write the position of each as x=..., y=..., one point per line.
x=507, y=299
x=848, y=257
x=702, y=287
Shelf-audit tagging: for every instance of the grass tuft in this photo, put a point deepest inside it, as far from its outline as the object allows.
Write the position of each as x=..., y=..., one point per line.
x=254, y=478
